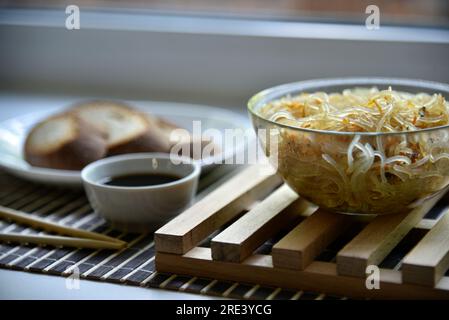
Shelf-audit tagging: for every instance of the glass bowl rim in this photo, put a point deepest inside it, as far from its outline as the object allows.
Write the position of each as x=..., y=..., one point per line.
x=284, y=89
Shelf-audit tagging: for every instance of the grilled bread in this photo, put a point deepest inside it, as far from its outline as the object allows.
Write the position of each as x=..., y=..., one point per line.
x=64, y=142
x=126, y=129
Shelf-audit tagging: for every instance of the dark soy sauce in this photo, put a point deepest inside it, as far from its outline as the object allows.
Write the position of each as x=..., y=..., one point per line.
x=140, y=179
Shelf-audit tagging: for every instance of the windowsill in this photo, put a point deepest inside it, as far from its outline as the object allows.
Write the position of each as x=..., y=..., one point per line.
x=147, y=21
x=215, y=61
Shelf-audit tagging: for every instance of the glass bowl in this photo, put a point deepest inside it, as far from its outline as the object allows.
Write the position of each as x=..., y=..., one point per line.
x=314, y=163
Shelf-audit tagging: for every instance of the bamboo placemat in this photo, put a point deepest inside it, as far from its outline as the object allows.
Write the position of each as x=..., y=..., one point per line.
x=134, y=265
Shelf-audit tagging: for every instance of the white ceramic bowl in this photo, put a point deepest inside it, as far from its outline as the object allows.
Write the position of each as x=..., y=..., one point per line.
x=145, y=208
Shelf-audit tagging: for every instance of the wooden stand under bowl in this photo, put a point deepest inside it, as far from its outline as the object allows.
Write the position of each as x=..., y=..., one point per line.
x=226, y=235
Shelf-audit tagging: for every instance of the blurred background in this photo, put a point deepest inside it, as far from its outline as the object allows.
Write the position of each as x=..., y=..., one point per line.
x=210, y=51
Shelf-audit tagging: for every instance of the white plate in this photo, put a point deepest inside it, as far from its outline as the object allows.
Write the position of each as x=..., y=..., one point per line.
x=14, y=131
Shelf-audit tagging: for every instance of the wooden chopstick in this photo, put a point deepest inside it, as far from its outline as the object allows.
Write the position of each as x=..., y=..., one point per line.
x=59, y=241
x=20, y=217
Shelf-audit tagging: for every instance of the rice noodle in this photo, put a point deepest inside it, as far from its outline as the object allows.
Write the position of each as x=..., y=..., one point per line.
x=439, y=157
x=350, y=149
x=420, y=162
x=398, y=159
x=333, y=163
x=382, y=165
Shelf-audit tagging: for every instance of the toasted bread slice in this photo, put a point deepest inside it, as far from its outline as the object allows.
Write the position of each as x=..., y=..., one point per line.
x=64, y=142
x=184, y=144
x=126, y=130
x=171, y=132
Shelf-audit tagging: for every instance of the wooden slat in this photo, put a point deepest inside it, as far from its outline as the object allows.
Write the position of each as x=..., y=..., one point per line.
x=267, y=218
x=377, y=240
x=429, y=260
x=219, y=207
x=426, y=224
x=319, y=276
x=300, y=247
x=59, y=241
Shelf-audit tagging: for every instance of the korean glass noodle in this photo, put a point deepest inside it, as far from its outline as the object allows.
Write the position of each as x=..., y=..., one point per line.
x=361, y=150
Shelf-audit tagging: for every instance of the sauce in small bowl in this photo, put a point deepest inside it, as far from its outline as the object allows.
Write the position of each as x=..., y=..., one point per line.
x=140, y=192
x=140, y=179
